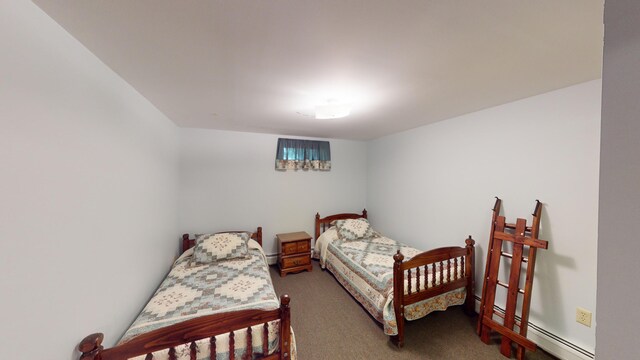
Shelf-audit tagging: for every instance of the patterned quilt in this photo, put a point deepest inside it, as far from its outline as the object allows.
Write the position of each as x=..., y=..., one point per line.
x=365, y=268
x=191, y=290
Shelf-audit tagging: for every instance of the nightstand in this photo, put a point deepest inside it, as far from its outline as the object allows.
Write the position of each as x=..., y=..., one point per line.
x=294, y=252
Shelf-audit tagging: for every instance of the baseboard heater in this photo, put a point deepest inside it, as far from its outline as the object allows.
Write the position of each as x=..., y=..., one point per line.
x=272, y=259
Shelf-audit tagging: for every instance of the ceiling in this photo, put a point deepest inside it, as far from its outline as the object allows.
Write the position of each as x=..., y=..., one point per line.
x=262, y=66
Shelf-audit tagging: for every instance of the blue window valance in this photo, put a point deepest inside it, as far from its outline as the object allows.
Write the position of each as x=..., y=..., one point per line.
x=296, y=154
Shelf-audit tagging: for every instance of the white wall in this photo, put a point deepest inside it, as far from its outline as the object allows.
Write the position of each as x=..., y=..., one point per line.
x=618, y=245
x=228, y=181
x=88, y=189
x=434, y=185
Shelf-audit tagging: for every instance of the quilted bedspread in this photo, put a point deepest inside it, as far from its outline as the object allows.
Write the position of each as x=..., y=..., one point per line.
x=191, y=290
x=365, y=268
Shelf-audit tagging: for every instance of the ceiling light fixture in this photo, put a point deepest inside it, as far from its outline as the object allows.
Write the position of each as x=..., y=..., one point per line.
x=333, y=109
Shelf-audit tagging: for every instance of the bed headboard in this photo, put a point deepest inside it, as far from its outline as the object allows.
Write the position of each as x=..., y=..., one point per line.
x=324, y=223
x=189, y=243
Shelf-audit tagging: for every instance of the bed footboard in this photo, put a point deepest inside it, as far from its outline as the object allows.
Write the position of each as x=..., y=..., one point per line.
x=206, y=327
x=429, y=274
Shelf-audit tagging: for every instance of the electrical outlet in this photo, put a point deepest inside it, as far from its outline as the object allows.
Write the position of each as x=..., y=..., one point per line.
x=583, y=316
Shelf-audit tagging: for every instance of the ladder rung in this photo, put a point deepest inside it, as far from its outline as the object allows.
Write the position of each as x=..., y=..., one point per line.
x=513, y=226
x=510, y=256
x=500, y=314
x=506, y=286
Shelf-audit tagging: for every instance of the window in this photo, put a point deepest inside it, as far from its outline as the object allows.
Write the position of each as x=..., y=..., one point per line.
x=295, y=154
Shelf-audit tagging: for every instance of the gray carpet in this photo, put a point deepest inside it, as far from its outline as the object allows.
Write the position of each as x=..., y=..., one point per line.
x=330, y=324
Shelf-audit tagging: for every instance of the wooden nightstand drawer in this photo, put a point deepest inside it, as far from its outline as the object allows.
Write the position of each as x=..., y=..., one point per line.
x=293, y=261
x=290, y=248
x=303, y=246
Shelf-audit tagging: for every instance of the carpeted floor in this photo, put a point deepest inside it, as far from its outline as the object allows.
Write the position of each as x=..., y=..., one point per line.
x=330, y=324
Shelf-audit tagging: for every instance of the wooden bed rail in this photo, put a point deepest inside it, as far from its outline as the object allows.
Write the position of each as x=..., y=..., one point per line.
x=188, y=332
x=455, y=266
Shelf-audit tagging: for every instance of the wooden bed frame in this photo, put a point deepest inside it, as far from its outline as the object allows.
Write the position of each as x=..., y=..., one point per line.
x=205, y=327
x=425, y=260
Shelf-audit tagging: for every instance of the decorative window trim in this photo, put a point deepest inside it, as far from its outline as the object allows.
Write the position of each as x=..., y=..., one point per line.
x=297, y=154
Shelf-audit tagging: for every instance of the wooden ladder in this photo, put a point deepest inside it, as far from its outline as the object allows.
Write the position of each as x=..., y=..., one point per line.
x=520, y=235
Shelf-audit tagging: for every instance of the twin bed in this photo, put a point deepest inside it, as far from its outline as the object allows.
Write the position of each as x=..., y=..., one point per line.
x=217, y=302
x=374, y=271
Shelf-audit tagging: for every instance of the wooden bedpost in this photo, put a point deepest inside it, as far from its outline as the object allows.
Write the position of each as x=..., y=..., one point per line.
x=469, y=273
x=259, y=235
x=285, y=327
x=91, y=346
x=317, y=227
x=398, y=298
x=364, y=213
x=185, y=242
